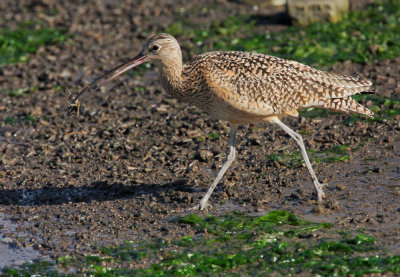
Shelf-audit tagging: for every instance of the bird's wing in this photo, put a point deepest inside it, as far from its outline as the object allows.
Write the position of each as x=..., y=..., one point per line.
x=266, y=85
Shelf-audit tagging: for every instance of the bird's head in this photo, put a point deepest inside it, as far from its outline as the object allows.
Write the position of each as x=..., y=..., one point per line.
x=159, y=49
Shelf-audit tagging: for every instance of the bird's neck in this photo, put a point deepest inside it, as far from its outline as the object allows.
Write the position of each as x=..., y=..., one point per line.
x=171, y=75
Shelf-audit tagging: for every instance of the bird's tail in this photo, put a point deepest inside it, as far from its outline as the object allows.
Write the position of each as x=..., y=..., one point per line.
x=334, y=92
x=346, y=104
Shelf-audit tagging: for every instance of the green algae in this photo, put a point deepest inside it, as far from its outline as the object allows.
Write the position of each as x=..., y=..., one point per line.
x=336, y=153
x=383, y=108
x=16, y=44
x=278, y=243
x=361, y=36
x=20, y=92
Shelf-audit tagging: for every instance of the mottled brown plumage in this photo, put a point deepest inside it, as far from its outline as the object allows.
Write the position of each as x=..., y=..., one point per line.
x=243, y=87
x=257, y=86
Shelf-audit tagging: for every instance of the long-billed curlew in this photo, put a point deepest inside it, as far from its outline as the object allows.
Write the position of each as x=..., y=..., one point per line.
x=243, y=87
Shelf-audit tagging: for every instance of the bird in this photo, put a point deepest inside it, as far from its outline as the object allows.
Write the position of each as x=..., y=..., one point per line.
x=244, y=87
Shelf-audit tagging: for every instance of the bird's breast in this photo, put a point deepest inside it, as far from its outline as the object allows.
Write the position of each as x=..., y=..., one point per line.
x=219, y=108
x=218, y=96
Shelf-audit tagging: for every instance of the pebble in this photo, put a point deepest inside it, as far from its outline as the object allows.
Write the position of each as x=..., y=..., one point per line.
x=205, y=155
x=7, y=240
x=341, y=187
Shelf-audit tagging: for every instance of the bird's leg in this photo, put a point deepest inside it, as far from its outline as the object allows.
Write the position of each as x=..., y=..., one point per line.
x=299, y=140
x=225, y=166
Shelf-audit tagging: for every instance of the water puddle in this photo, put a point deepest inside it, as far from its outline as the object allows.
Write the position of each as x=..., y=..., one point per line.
x=10, y=253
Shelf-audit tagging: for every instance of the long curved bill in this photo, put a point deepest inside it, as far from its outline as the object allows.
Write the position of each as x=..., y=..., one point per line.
x=113, y=73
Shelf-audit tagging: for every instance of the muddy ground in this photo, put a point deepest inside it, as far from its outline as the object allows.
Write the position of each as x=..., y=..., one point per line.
x=136, y=158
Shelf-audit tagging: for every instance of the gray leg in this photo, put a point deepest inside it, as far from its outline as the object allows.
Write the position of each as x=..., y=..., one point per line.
x=299, y=140
x=225, y=166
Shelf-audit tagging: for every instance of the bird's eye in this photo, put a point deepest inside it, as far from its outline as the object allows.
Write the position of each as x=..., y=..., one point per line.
x=155, y=47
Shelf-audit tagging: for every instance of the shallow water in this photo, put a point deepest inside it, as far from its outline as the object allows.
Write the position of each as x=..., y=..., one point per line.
x=10, y=253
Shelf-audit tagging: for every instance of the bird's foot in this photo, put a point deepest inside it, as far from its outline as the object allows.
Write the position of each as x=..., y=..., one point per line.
x=195, y=208
x=320, y=193
x=201, y=206
x=319, y=189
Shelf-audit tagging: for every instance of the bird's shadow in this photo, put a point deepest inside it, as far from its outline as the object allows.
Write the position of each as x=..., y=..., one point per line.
x=99, y=191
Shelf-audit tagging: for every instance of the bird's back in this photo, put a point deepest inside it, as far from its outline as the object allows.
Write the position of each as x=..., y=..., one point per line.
x=263, y=85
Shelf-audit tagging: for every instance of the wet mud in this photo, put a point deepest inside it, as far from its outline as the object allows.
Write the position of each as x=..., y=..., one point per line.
x=136, y=157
